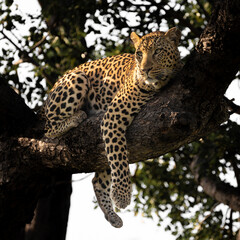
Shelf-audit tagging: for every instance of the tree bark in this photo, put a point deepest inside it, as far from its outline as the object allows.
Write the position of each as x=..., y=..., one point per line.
x=191, y=106
x=51, y=214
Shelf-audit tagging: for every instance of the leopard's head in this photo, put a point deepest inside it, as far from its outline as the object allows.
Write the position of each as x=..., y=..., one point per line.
x=157, y=56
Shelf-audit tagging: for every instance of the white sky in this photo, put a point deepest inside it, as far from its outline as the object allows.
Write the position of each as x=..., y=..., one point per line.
x=89, y=224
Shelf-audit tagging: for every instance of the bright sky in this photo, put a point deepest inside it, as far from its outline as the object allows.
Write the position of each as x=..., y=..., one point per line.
x=89, y=224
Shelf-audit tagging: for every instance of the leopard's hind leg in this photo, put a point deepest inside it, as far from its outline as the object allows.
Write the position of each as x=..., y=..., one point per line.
x=58, y=128
x=64, y=103
x=102, y=185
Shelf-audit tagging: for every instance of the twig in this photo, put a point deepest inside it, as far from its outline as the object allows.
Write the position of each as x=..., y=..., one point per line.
x=10, y=41
x=26, y=58
x=236, y=171
x=203, y=9
x=39, y=43
x=225, y=218
x=83, y=178
x=199, y=226
x=231, y=223
x=184, y=21
x=233, y=108
x=73, y=181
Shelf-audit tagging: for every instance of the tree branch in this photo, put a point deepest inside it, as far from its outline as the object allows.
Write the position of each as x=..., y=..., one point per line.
x=203, y=9
x=233, y=108
x=26, y=58
x=220, y=191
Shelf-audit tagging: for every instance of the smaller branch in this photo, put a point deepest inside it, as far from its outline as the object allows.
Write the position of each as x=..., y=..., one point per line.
x=233, y=108
x=238, y=235
x=231, y=224
x=225, y=217
x=39, y=43
x=17, y=39
x=18, y=62
x=199, y=226
x=73, y=181
x=183, y=21
x=83, y=178
x=10, y=40
x=26, y=58
x=203, y=9
x=220, y=191
x=236, y=171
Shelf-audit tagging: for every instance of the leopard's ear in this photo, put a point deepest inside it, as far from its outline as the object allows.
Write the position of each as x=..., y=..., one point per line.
x=135, y=39
x=174, y=34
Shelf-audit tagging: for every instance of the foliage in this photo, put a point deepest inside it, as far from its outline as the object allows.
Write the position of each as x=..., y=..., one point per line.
x=55, y=39
x=66, y=33
x=166, y=185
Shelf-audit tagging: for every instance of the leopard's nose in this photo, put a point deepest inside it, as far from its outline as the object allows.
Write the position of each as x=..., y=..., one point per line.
x=146, y=70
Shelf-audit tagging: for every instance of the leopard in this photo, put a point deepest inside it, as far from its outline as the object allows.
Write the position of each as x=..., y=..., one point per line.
x=119, y=86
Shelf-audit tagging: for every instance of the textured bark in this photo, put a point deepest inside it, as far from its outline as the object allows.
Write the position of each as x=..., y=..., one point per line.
x=191, y=106
x=51, y=214
x=15, y=116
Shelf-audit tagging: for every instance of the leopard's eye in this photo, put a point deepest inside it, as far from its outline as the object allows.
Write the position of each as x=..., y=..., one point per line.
x=158, y=50
x=139, y=53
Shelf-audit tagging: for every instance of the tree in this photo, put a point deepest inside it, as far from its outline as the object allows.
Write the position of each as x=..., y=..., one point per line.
x=191, y=107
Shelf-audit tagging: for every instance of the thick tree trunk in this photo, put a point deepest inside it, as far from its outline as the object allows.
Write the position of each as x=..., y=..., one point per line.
x=51, y=214
x=191, y=106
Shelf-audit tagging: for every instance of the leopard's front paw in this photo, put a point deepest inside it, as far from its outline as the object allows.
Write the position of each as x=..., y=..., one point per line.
x=78, y=118
x=121, y=194
x=114, y=219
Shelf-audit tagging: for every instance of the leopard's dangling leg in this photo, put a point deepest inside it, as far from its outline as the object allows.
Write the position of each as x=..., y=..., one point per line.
x=102, y=185
x=119, y=116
